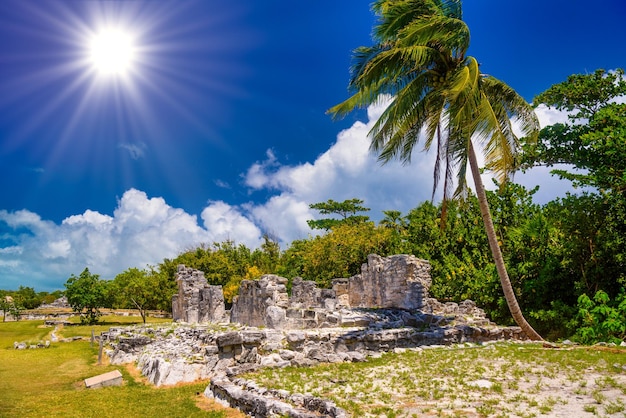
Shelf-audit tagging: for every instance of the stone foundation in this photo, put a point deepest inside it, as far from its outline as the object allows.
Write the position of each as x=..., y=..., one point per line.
x=185, y=353
x=260, y=402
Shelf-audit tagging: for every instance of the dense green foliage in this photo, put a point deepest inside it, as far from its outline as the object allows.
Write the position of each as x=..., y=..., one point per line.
x=339, y=253
x=599, y=319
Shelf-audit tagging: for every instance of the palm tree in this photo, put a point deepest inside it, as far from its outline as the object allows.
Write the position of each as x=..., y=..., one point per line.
x=438, y=93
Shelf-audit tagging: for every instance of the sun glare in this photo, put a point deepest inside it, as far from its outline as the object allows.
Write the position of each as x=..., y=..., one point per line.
x=112, y=52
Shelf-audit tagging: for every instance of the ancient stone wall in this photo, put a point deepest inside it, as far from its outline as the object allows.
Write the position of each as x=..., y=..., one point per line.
x=184, y=353
x=397, y=282
x=196, y=300
x=261, y=302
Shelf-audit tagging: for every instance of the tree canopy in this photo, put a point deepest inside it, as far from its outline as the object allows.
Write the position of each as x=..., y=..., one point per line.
x=346, y=210
x=86, y=294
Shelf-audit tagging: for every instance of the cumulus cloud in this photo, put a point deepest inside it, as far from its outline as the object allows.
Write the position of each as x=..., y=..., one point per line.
x=346, y=170
x=226, y=222
x=142, y=231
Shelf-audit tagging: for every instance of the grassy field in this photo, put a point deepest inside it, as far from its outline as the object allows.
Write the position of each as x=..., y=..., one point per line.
x=50, y=382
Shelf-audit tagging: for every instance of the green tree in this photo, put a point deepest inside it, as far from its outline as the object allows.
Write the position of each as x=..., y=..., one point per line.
x=420, y=60
x=136, y=289
x=594, y=140
x=27, y=297
x=9, y=306
x=346, y=210
x=86, y=294
x=266, y=258
x=397, y=224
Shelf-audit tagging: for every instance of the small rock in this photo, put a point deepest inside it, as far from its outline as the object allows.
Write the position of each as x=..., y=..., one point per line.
x=481, y=383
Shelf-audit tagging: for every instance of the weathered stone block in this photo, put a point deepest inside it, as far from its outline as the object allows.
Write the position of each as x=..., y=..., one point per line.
x=229, y=339
x=113, y=378
x=399, y=281
x=275, y=317
x=196, y=300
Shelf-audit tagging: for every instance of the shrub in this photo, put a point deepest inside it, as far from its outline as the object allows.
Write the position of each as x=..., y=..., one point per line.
x=599, y=319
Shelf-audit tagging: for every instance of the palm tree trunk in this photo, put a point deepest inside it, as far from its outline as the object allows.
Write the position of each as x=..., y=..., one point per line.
x=507, y=288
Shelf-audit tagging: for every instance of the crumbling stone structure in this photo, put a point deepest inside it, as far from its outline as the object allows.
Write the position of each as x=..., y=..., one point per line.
x=398, y=282
x=395, y=282
x=196, y=300
x=262, y=302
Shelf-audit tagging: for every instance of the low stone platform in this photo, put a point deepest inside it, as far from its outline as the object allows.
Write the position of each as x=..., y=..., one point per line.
x=185, y=353
x=113, y=378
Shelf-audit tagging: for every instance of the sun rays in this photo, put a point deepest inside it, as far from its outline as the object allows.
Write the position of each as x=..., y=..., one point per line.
x=101, y=74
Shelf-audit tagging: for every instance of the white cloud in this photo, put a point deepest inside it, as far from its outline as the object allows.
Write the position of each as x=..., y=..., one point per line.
x=283, y=217
x=226, y=222
x=549, y=115
x=346, y=170
x=57, y=249
x=142, y=231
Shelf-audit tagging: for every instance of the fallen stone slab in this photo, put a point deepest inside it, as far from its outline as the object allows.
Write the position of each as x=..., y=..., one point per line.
x=113, y=378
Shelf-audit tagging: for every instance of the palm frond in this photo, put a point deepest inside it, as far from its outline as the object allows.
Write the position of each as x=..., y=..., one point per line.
x=394, y=65
x=516, y=107
x=395, y=15
x=447, y=33
x=451, y=8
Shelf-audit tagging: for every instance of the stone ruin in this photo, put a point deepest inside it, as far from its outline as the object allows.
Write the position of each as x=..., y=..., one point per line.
x=385, y=308
x=396, y=282
x=196, y=300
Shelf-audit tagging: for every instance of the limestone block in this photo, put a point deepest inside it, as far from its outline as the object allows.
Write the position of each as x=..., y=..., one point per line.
x=113, y=378
x=275, y=317
x=196, y=300
x=229, y=339
x=399, y=281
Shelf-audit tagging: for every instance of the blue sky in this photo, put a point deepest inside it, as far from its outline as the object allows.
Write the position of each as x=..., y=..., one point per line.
x=218, y=131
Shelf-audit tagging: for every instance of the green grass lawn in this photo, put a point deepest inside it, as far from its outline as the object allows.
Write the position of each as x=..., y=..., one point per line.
x=50, y=382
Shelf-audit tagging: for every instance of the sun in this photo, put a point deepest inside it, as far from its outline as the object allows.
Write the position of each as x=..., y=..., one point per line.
x=112, y=52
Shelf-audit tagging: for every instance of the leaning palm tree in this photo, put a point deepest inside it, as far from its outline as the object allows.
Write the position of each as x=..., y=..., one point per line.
x=439, y=96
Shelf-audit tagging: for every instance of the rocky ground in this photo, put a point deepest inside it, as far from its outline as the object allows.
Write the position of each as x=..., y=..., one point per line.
x=467, y=380
x=448, y=362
